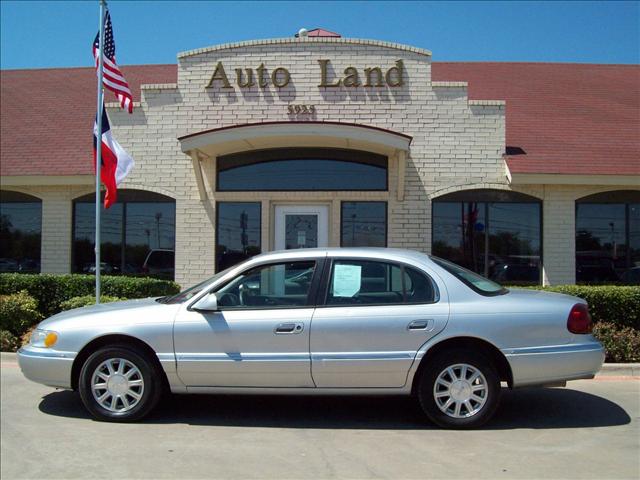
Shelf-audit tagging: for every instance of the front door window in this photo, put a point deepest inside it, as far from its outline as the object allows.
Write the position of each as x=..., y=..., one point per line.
x=301, y=231
x=301, y=226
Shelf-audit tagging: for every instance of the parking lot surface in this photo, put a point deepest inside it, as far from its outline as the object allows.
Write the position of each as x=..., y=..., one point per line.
x=588, y=430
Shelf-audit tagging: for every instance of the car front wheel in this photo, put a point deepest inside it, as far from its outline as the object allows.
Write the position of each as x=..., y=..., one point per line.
x=118, y=384
x=459, y=389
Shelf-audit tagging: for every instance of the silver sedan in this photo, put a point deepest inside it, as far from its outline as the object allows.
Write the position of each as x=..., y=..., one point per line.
x=323, y=321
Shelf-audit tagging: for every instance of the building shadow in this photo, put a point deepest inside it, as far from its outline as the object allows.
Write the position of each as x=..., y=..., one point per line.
x=527, y=408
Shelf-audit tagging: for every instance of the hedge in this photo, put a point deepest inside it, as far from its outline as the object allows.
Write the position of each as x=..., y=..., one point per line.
x=607, y=303
x=621, y=344
x=18, y=313
x=51, y=290
x=85, y=301
x=8, y=341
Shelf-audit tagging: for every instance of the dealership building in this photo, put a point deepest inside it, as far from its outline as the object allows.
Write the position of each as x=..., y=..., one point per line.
x=524, y=172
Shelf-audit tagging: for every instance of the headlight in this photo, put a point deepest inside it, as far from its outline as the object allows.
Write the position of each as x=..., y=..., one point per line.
x=43, y=338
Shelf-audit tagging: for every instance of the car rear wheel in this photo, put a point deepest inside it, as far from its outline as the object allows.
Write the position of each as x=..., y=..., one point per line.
x=459, y=389
x=118, y=384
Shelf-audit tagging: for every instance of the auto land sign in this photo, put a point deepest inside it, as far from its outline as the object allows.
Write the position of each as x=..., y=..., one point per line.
x=280, y=77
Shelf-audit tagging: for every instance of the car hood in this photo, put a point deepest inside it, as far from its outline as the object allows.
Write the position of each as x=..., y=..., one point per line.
x=129, y=311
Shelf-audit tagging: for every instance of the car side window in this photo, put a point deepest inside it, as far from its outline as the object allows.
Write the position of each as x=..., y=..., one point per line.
x=418, y=287
x=355, y=282
x=269, y=286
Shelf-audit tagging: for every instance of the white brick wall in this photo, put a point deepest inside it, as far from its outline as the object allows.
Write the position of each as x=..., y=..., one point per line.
x=454, y=142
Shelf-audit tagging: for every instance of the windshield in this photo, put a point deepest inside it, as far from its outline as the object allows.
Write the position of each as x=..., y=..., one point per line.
x=473, y=280
x=191, y=292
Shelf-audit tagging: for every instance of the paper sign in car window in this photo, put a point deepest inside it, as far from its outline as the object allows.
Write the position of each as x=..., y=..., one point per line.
x=346, y=280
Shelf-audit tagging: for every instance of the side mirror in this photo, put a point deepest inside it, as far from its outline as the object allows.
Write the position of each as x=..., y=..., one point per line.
x=208, y=303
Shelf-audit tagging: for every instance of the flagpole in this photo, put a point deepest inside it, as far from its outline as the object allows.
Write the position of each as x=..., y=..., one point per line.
x=103, y=5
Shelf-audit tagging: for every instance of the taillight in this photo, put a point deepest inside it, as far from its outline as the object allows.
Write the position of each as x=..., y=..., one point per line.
x=579, y=320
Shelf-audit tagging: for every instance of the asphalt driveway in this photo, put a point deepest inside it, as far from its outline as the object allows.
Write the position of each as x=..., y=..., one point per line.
x=588, y=430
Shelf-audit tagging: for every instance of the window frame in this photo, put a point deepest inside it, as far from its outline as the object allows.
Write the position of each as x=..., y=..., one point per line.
x=386, y=219
x=8, y=196
x=311, y=301
x=125, y=197
x=346, y=150
x=465, y=196
x=328, y=271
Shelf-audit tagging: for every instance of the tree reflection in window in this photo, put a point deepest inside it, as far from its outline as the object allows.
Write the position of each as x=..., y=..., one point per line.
x=137, y=235
x=238, y=230
x=491, y=232
x=608, y=238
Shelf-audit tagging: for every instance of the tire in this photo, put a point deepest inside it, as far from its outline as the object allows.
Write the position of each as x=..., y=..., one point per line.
x=123, y=374
x=454, y=406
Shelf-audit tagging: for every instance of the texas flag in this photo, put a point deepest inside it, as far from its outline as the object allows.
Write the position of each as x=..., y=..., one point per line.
x=116, y=163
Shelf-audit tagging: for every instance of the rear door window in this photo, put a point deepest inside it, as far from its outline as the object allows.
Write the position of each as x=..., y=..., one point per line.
x=363, y=282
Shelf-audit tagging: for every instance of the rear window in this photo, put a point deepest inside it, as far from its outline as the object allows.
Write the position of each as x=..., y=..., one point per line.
x=476, y=282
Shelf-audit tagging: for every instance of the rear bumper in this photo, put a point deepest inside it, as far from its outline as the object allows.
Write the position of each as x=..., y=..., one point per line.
x=553, y=364
x=46, y=366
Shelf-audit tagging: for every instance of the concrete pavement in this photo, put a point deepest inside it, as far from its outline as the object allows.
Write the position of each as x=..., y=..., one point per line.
x=588, y=430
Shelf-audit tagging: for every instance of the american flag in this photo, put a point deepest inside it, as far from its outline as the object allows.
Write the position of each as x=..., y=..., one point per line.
x=113, y=79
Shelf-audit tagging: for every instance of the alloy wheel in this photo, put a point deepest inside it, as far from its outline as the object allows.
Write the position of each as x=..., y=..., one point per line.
x=117, y=385
x=460, y=390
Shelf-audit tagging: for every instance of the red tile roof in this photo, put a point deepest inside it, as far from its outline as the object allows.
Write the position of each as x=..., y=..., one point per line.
x=47, y=117
x=562, y=118
x=566, y=118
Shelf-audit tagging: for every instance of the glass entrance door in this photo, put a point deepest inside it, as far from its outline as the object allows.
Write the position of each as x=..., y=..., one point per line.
x=301, y=226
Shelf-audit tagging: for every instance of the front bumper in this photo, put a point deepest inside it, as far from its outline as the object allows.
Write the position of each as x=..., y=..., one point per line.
x=553, y=364
x=46, y=366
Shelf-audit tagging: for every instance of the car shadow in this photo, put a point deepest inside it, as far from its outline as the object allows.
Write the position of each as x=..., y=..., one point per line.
x=524, y=408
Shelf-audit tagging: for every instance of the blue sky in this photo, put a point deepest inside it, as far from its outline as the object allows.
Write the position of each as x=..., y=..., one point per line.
x=59, y=34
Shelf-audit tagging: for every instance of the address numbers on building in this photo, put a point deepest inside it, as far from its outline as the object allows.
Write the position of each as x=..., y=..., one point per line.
x=301, y=109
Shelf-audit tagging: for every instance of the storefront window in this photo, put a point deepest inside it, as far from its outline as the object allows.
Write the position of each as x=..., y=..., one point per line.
x=137, y=235
x=302, y=169
x=364, y=224
x=608, y=238
x=494, y=233
x=20, y=232
x=238, y=230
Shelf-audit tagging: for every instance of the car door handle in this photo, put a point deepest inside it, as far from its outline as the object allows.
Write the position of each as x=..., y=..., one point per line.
x=289, y=328
x=426, y=324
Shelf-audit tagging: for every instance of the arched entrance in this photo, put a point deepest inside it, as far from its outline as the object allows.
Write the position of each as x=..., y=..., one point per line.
x=285, y=185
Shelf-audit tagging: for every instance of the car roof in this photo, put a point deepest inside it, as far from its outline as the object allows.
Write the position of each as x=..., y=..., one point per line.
x=392, y=254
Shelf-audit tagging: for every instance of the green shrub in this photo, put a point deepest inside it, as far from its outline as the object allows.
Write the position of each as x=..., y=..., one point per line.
x=18, y=312
x=86, y=300
x=8, y=341
x=622, y=344
x=51, y=290
x=607, y=303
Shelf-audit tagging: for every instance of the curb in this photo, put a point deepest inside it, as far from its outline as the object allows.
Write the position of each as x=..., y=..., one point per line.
x=8, y=356
x=620, y=369
x=608, y=369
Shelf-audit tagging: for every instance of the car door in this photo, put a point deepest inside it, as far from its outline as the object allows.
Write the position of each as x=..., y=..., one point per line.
x=259, y=337
x=375, y=317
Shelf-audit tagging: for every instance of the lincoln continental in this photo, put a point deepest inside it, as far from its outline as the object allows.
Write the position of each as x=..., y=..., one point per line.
x=359, y=321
